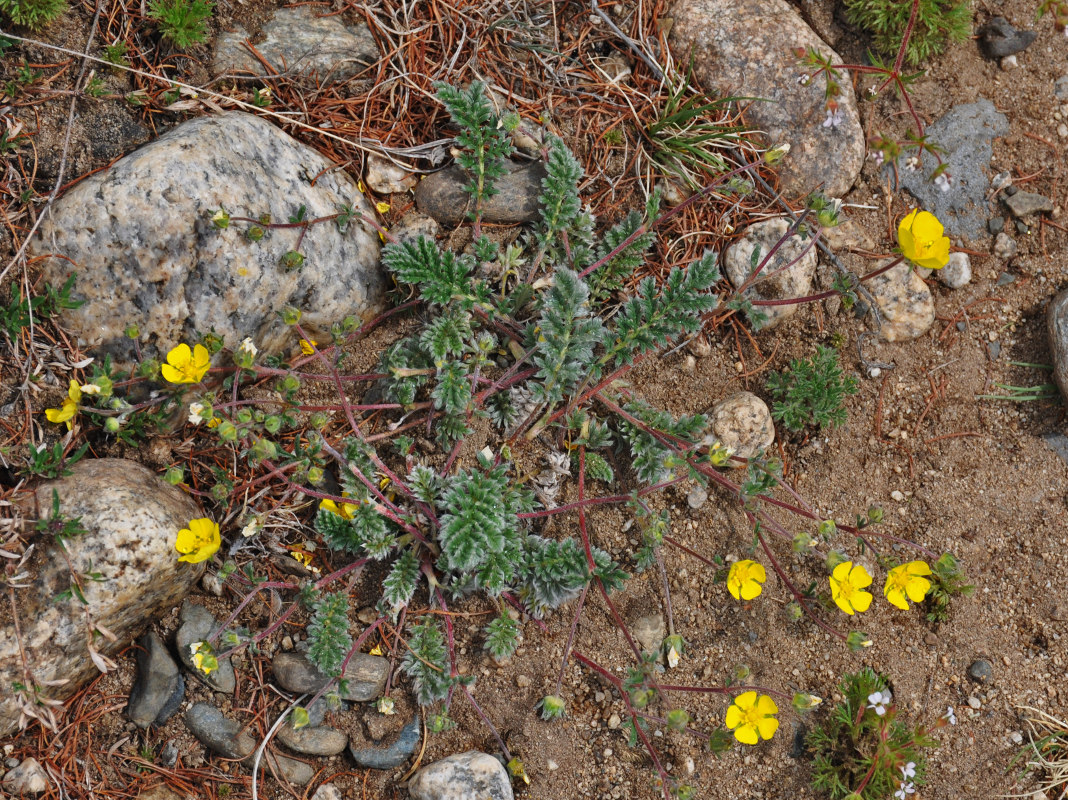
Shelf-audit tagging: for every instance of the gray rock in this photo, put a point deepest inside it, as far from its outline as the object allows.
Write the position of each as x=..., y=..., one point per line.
x=413, y=225
x=995, y=225
x=441, y=195
x=382, y=176
x=773, y=282
x=1057, y=329
x=392, y=756
x=1005, y=246
x=28, y=777
x=743, y=423
x=141, y=238
x=1060, y=88
x=1057, y=442
x=320, y=741
x=958, y=272
x=650, y=631
x=365, y=675
x=746, y=48
x=905, y=303
x=697, y=497
x=965, y=131
x=317, y=50
x=227, y=738
x=980, y=671
x=168, y=756
x=158, y=689
x=998, y=38
x=1024, y=204
x=464, y=776
x=131, y=518
x=197, y=624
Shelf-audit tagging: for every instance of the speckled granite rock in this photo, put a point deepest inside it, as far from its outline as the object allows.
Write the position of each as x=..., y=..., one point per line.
x=746, y=48
x=228, y=738
x=1057, y=328
x=385, y=177
x=966, y=132
x=793, y=282
x=464, y=776
x=197, y=624
x=131, y=518
x=318, y=49
x=441, y=195
x=365, y=675
x=743, y=423
x=958, y=272
x=904, y=302
x=141, y=238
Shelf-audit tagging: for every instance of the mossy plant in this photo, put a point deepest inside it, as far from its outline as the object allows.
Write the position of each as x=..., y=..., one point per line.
x=937, y=23
x=812, y=391
x=182, y=22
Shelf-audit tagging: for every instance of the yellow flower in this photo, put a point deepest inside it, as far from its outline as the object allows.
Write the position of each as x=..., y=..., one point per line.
x=345, y=511
x=744, y=579
x=307, y=347
x=199, y=541
x=203, y=656
x=921, y=240
x=70, y=406
x=907, y=580
x=382, y=207
x=750, y=715
x=847, y=583
x=185, y=365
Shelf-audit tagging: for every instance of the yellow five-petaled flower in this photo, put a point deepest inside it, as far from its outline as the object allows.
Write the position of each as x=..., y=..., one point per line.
x=345, y=511
x=69, y=408
x=744, y=579
x=185, y=365
x=847, y=584
x=907, y=581
x=921, y=240
x=199, y=541
x=752, y=717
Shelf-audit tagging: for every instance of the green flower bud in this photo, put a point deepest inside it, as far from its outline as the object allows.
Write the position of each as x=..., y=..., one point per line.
x=148, y=368
x=174, y=475
x=132, y=331
x=292, y=260
x=290, y=315
x=290, y=383
x=827, y=529
x=552, y=707
x=112, y=425
x=803, y=542
x=220, y=492
x=834, y=558
x=803, y=701
x=243, y=416
x=857, y=641
x=741, y=672
x=315, y=475
x=227, y=431
x=220, y=219
x=385, y=705
x=264, y=449
x=273, y=423
x=794, y=611
x=677, y=719
x=875, y=515
x=212, y=341
x=319, y=420
x=255, y=233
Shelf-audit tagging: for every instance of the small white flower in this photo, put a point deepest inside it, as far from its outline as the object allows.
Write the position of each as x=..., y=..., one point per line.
x=672, y=657
x=878, y=701
x=909, y=770
x=834, y=118
x=879, y=157
x=248, y=347
x=905, y=790
x=803, y=80
x=950, y=716
x=195, y=410
x=912, y=163
x=872, y=91
x=942, y=182
x=252, y=528
x=90, y=388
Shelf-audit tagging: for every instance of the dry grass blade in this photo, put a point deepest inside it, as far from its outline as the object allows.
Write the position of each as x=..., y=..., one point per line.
x=1048, y=751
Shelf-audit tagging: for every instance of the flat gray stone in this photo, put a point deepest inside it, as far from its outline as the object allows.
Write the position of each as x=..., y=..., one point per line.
x=141, y=238
x=441, y=195
x=392, y=755
x=998, y=38
x=158, y=688
x=365, y=675
x=197, y=624
x=315, y=49
x=464, y=776
x=966, y=132
x=131, y=518
x=320, y=741
x=746, y=48
x=228, y=738
x=1024, y=204
x=776, y=281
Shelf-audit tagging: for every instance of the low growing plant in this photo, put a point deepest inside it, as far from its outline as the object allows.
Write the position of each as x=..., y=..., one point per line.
x=937, y=23
x=812, y=391
x=34, y=14
x=182, y=22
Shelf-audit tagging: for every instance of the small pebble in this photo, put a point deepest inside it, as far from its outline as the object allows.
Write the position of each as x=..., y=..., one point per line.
x=1009, y=62
x=973, y=702
x=897, y=496
x=1016, y=737
x=980, y=671
x=1062, y=131
x=287, y=643
x=1005, y=278
x=552, y=765
x=995, y=225
x=522, y=681
x=613, y=721
x=697, y=497
x=874, y=372
x=1021, y=228
x=930, y=639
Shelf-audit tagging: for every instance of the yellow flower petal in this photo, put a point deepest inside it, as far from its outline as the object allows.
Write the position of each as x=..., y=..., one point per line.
x=199, y=541
x=746, y=734
x=765, y=705
x=859, y=577
x=767, y=727
x=861, y=601
x=746, y=700
x=734, y=717
x=185, y=365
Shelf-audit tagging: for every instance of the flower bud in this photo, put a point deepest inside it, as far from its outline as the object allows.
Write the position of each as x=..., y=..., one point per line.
x=315, y=475
x=227, y=431
x=273, y=423
x=290, y=315
x=834, y=558
x=552, y=707
x=132, y=332
x=112, y=425
x=220, y=219
x=803, y=701
x=678, y=719
x=292, y=260
x=174, y=475
x=858, y=640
